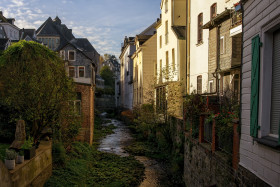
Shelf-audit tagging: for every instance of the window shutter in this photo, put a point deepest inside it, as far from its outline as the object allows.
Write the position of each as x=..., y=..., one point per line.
x=255, y=73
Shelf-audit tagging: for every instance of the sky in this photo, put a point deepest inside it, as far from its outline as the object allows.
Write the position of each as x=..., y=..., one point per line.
x=104, y=22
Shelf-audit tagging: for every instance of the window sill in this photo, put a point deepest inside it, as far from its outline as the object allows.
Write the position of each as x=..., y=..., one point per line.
x=200, y=43
x=268, y=141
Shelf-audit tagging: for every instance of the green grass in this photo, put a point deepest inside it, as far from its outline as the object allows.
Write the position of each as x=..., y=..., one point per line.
x=85, y=166
x=3, y=148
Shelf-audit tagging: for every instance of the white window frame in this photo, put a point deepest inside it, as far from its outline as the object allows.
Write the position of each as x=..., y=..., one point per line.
x=74, y=55
x=74, y=71
x=266, y=57
x=211, y=82
x=79, y=71
x=62, y=51
x=222, y=51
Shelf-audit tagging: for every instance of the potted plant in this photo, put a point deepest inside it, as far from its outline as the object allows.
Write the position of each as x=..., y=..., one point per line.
x=20, y=157
x=10, y=159
x=29, y=149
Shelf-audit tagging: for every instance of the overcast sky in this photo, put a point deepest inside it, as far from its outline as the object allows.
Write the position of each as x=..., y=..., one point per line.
x=104, y=22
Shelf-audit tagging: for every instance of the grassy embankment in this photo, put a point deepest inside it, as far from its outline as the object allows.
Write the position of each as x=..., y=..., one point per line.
x=86, y=166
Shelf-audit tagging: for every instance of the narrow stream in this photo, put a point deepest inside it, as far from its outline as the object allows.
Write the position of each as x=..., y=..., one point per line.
x=121, y=138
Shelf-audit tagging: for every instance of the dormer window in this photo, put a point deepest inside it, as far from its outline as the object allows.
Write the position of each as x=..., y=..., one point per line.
x=71, y=55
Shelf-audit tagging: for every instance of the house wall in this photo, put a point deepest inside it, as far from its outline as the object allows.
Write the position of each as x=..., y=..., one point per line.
x=87, y=112
x=12, y=31
x=149, y=60
x=126, y=87
x=81, y=60
x=259, y=159
x=199, y=52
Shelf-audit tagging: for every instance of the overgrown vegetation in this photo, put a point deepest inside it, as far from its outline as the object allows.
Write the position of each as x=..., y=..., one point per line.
x=154, y=139
x=34, y=85
x=3, y=148
x=85, y=166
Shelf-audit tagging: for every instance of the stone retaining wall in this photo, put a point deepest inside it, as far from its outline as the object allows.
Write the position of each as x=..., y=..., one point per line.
x=34, y=172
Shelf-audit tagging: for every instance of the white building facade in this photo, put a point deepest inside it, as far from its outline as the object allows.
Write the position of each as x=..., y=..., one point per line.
x=201, y=13
x=126, y=73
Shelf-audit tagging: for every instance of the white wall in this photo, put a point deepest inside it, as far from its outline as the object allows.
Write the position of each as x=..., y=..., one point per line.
x=199, y=52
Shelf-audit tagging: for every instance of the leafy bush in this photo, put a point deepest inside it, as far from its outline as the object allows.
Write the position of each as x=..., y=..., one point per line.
x=28, y=143
x=59, y=154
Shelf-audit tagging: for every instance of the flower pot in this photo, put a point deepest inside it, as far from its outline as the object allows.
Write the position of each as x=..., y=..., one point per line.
x=29, y=153
x=10, y=164
x=20, y=159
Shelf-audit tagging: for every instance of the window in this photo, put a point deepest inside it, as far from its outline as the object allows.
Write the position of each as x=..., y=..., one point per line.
x=77, y=103
x=222, y=45
x=71, y=55
x=81, y=71
x=160, y=70
x=160, y=42
x=236, y=85
x=166, y=6
x=72, y=71
x=199, y=28
x=275, y=92
x=62, y=54
x=213, y=11
x=211, y=86
x=173, y=59
x=166, y=32
x=161, y=102
x=167, y=64
x=199, y=84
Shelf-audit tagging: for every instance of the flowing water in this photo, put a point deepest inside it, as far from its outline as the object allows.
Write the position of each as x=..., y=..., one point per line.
x=115, y=143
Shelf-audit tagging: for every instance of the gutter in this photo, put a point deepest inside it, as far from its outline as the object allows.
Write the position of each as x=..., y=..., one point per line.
x=188, y=8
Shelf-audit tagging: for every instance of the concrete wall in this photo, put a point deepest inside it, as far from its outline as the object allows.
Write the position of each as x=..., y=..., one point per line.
x=34, y=172
x=259, y=18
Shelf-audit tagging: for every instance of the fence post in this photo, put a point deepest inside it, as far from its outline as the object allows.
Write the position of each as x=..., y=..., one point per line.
x=213, y=146
x=235, y=150
x=201, y=128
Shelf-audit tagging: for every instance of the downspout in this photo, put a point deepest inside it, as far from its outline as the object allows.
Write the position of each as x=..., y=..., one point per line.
x=241, y=74
x=188, y=8
x=218, y=60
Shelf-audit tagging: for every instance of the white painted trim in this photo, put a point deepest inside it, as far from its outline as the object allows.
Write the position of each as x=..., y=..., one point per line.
x=266, y=75
x=236, y=30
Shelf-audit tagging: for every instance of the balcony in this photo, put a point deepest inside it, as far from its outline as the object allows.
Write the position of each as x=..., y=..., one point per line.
x=236, y=21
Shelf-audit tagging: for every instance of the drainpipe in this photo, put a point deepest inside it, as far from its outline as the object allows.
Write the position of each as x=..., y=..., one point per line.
x=218, y=60
x=188, y=8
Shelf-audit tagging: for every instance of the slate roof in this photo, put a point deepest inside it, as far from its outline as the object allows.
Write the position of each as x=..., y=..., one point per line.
x=3, y=43
x=55, y=28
